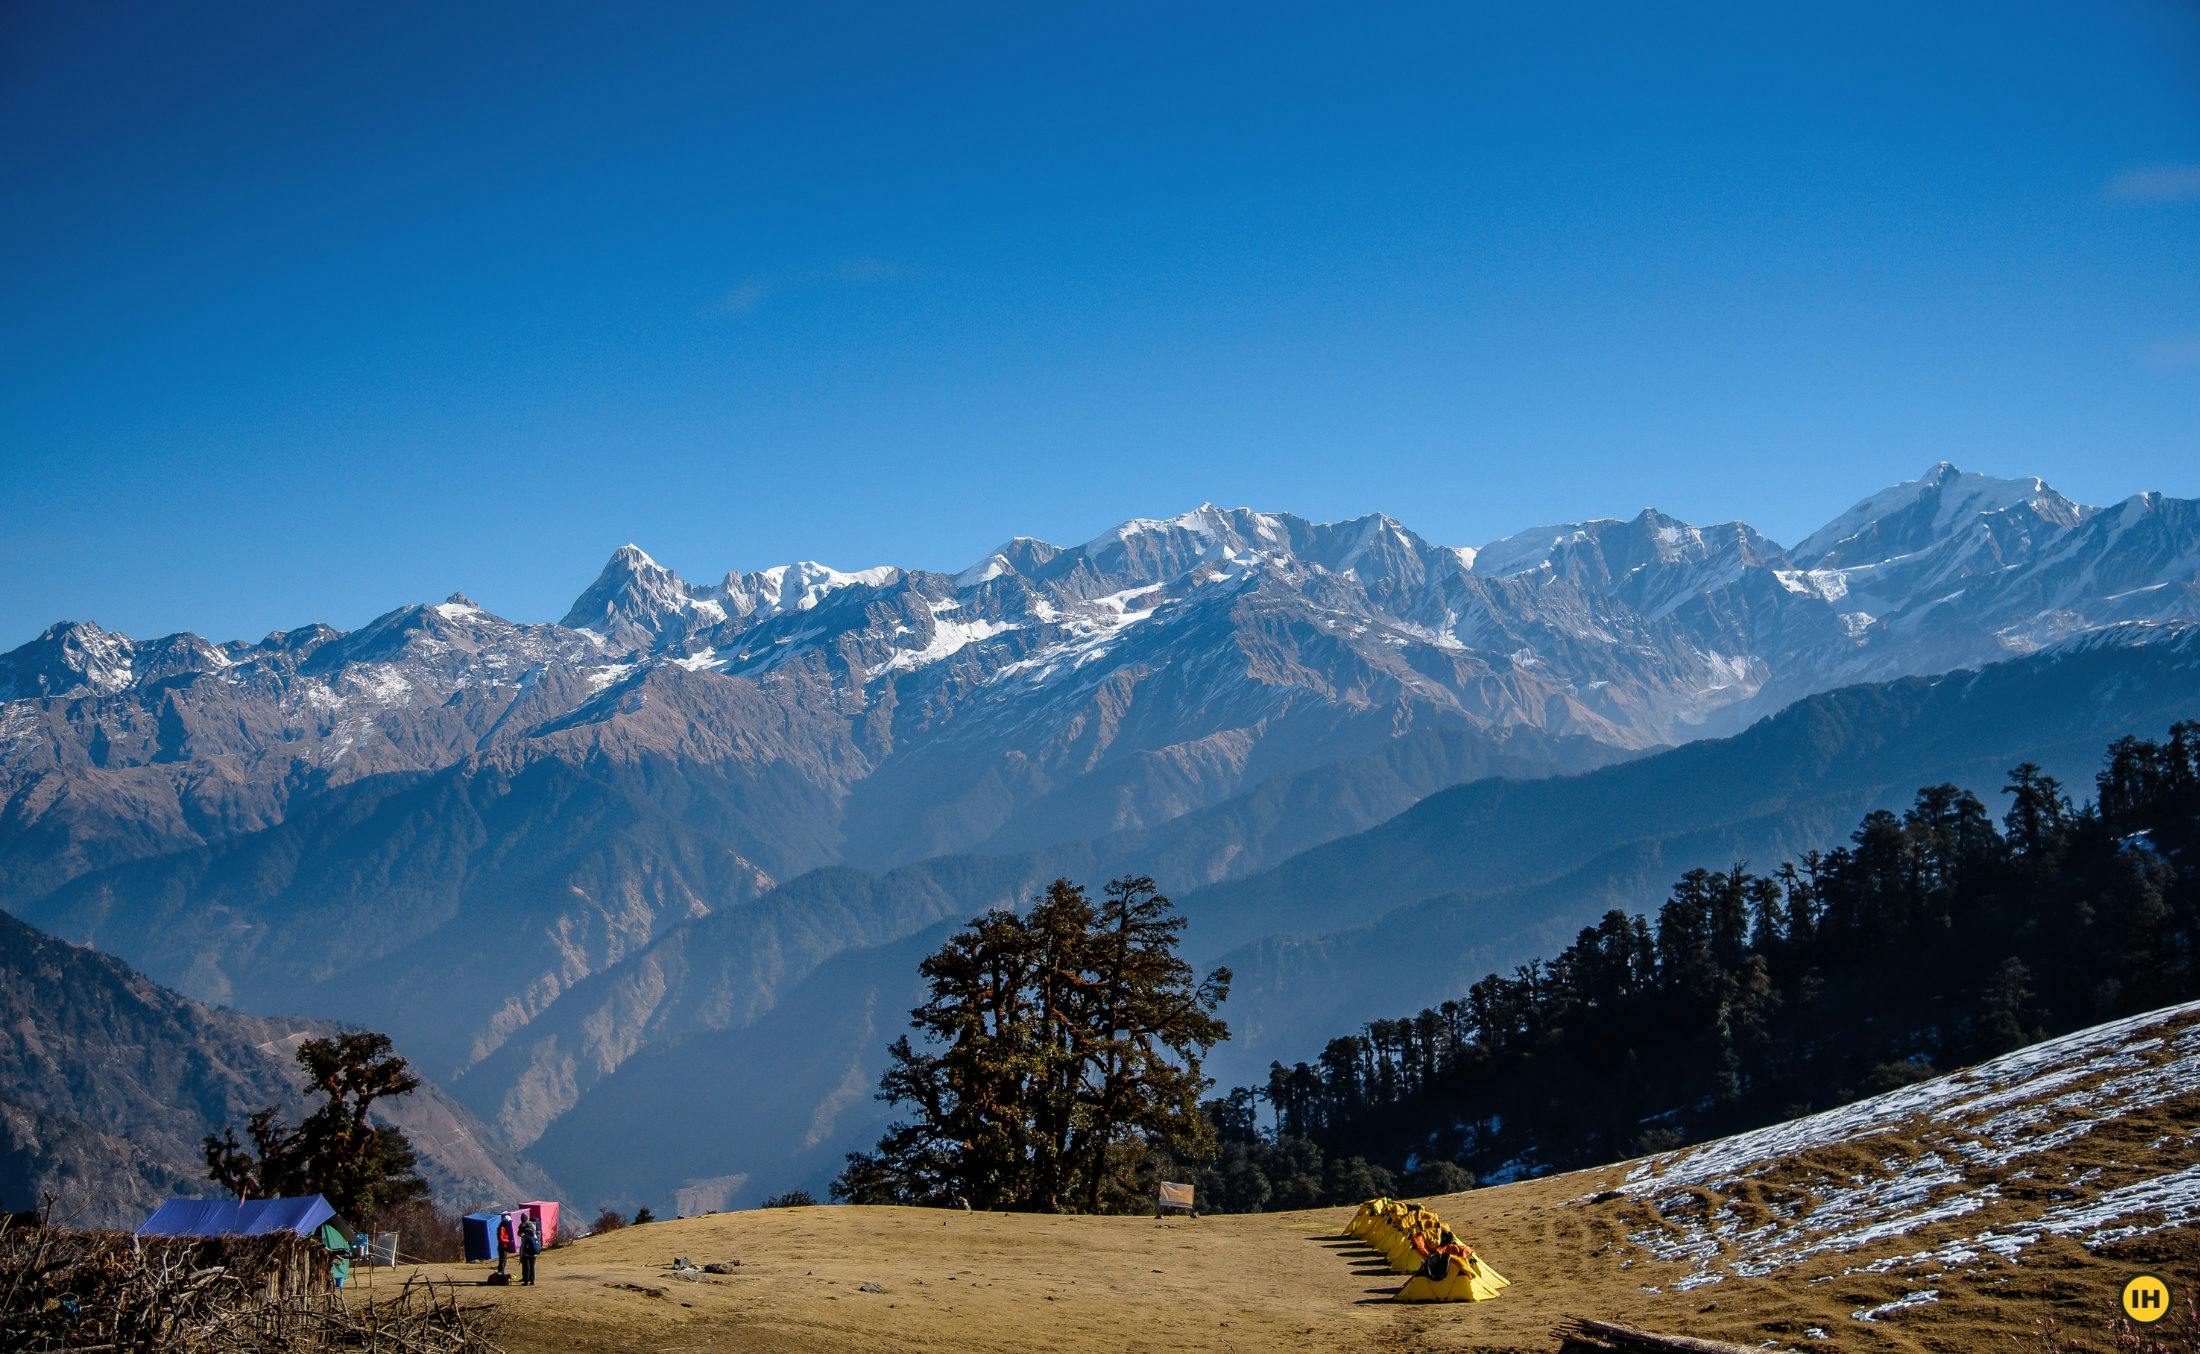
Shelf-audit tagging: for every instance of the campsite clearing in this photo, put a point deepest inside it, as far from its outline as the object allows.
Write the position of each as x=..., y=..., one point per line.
x=1006, y=1282
x=1946, y=1216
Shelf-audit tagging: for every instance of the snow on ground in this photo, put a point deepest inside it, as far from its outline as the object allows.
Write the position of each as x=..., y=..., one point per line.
x=1917, y=1299
x=18, y=727
x=1945, y=1148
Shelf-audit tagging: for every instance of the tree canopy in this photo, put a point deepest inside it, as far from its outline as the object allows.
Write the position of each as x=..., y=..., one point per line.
x=362, y=1168
x=1932, y=939
x=1059, y=1060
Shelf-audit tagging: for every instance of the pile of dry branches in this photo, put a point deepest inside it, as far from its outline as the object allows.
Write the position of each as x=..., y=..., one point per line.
x=107, y=1291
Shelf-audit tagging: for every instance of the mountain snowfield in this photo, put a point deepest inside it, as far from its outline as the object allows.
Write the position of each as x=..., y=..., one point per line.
x=553, y=818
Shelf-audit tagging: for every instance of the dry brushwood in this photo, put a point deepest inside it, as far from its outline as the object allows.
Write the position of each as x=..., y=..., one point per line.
x=1610, y=1337
x=118, y=1294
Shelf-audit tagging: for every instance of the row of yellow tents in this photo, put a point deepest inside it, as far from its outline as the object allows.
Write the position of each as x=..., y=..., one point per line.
x=1415, y=1241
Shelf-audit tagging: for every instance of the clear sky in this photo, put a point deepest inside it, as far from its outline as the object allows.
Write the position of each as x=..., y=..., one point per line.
x=307, y=311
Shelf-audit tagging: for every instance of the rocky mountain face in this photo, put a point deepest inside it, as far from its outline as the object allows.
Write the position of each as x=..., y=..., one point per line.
x=108, y=1084
x=1473, y=879
x=498, y=840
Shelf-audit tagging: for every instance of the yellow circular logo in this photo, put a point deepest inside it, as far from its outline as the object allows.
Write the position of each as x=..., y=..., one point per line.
x=2146, y=1298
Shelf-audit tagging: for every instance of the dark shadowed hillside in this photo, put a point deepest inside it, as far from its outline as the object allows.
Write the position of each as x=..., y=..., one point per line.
x=108, y=1083
x=1489, y=875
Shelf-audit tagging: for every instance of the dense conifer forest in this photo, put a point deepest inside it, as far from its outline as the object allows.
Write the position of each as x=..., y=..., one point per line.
x=1933, y=939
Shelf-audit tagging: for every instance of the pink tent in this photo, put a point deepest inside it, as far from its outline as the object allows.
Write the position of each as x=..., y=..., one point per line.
x=545, y=1214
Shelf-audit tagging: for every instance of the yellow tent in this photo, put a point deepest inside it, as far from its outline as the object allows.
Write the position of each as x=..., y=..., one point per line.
x=1369, y=1215
x=1468, y=1280
x=1395, y=1238
x=1392, y=1228
x=1397, y=1249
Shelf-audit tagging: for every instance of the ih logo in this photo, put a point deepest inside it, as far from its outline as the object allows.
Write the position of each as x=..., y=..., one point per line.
x=2146, y=1299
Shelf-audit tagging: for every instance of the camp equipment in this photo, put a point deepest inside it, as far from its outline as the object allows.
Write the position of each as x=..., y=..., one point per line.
x=309, y=1216
x=545, y=1214
x=479, y=1232
x=1370, y=1213
x=1415, y=1242
x=1464, y=1279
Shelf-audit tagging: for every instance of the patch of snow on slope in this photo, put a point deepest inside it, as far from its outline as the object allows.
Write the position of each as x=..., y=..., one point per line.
x=1921, y=1298
x=1440, y=638
x=1093, y=632
x=949, y=637
x=383, y=682
x=1987, y=1085
x=992, y=567
x=1969, y=1127
x=608, y=674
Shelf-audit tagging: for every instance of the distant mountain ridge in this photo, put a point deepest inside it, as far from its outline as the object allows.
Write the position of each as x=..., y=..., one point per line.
x=1051, y=693
x=522, y=809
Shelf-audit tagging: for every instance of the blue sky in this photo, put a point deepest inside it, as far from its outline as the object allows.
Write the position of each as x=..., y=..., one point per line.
x=309, y=314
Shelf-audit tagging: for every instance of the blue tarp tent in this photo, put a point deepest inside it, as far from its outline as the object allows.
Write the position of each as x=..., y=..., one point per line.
x=480, y=1233
x=310, y=1216
x=256, y=1217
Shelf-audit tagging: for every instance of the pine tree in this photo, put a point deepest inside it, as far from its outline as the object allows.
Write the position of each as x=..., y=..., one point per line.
x=2039, y=813
x=1147, y=1026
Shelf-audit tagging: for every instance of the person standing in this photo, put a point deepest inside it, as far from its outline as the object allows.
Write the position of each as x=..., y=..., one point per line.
x=506, y=1242
x=530, y=1242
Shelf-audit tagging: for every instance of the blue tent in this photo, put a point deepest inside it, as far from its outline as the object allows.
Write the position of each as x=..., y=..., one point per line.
x=479, y=1231
x=311, y=1216
x=256, y=1217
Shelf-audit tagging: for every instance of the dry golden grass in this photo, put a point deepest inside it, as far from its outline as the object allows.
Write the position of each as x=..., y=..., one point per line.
x=989, y=1281
x=950, y=1280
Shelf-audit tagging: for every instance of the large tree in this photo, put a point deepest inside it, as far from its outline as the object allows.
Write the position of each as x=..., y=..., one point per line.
x=362, y=1168
x=1058, y=1063
x=1147, y=1024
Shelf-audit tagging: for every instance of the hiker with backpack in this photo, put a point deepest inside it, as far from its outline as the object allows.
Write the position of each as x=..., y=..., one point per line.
x=530, y=1243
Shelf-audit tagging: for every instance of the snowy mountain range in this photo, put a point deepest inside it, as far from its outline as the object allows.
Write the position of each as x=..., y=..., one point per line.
x=1053, y=693
x=357, y=825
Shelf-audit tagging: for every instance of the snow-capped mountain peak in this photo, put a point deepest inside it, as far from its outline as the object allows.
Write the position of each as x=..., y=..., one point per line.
x=72, y=657
x=1022, y=556
x=636, y=601
x=1916, y=514
x=1159, y=634
x=795, y=587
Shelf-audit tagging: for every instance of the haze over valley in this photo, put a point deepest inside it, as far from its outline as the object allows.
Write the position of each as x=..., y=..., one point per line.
x=560, y=861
